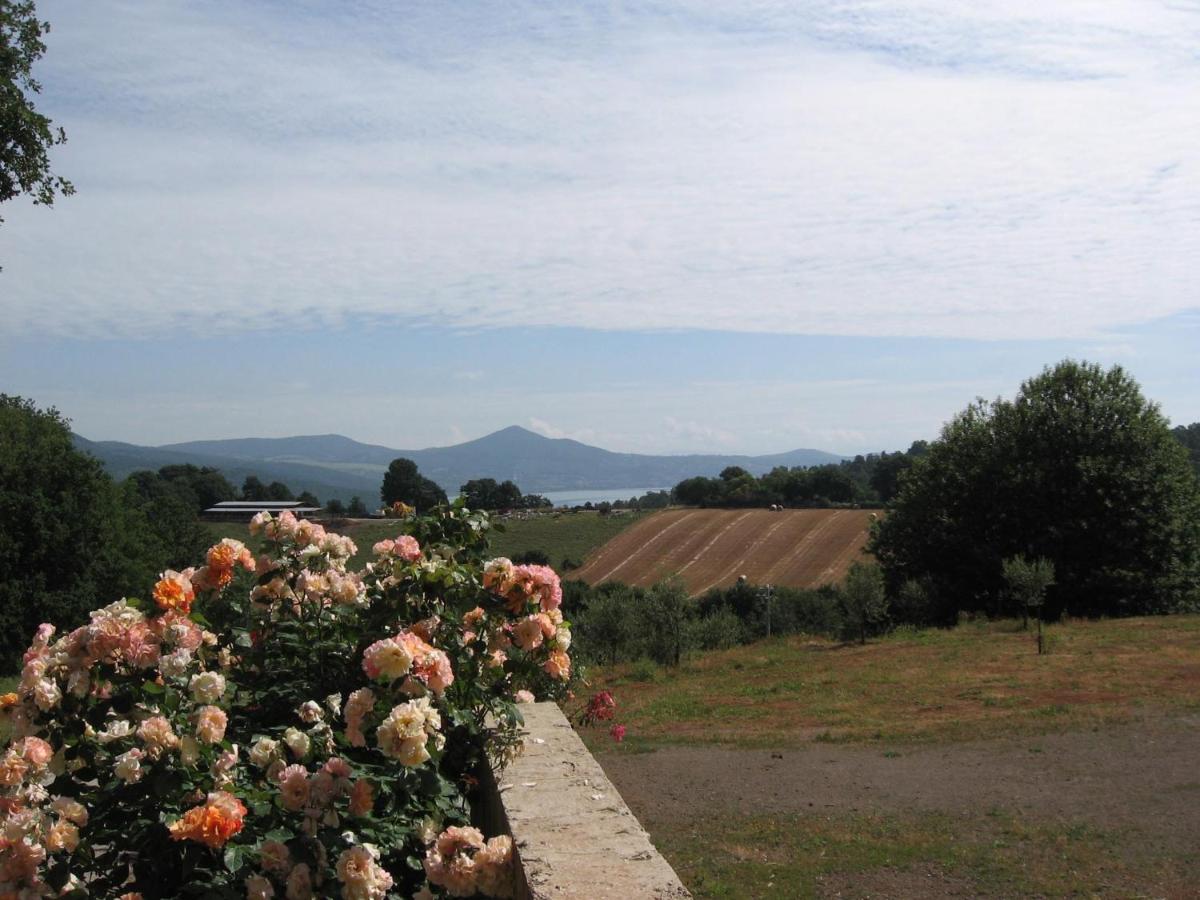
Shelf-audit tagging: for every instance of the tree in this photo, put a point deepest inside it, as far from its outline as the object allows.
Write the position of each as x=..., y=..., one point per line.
x=667, y=611
x=699, y=491
x=336, y=507
x=26, y=135
x=403, y=483
x=607, y=628
x=479, y=493
x=308, y=498
x=1027, y=581
x=277, y=490
x=830, y=482
x=864, y=599
x=206, y=484
x=1189, y=436
x=885, y=480
x=254, y=489
x=357, y=509
x=1078, y=469
x=67, y=542
x=169, y=508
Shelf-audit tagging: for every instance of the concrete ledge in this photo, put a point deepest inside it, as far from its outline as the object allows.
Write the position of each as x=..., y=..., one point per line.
x=574, y=836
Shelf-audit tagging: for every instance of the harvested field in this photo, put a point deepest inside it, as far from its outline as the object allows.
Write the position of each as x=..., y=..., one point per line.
x=712, y=547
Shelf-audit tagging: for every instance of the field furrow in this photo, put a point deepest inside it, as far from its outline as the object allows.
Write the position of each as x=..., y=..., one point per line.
x=712, y=547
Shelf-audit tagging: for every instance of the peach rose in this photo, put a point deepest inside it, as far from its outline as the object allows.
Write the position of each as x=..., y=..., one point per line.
x=210, y=724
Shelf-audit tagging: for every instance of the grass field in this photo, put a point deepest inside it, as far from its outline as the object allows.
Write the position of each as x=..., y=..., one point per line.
x=914, y=855
x=571, y=535
x=979, y=679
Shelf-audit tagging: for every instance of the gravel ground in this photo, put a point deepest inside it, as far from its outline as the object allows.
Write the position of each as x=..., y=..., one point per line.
x=1141, y=779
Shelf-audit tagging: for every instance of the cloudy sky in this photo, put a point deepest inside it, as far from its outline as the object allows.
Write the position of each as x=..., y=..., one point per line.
x=664, y=226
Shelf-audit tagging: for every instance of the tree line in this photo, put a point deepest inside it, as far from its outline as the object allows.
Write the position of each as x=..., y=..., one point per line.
x=866, y=480
x=404, y=483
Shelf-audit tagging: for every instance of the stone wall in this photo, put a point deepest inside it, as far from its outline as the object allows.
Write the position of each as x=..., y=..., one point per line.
x=574, y=836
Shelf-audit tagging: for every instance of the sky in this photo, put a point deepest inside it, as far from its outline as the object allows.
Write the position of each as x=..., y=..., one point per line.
x=732, y=225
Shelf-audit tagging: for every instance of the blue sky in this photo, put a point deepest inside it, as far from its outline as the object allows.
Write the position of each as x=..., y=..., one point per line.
x=674, y=226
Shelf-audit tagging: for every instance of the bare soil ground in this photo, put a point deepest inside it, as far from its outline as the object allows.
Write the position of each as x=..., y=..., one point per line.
x=712, y=547
x=1139, y=781
x=1143, y=776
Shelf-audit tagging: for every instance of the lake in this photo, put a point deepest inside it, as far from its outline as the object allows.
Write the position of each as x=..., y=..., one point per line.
x=582, y=495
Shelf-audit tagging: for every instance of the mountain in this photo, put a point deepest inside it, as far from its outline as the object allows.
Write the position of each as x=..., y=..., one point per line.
x=331, y=465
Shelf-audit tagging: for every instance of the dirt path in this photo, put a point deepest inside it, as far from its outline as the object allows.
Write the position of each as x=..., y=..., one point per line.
x=1143, y=777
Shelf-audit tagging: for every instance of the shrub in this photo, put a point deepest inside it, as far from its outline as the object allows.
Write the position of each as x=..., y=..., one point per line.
x=532, y=557
x=717, y=631
x=664, y=621
x=607, y=628
x=314, y=735
x=863, y=600
x=644, y=670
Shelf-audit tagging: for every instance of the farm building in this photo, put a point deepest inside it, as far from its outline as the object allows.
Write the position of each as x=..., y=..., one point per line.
x=244, y=510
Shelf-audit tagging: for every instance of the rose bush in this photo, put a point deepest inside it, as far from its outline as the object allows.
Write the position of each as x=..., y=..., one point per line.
x=280, y=725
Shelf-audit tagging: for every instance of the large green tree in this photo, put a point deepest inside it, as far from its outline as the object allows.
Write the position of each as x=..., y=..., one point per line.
x=169, y=508
x=1189, y=436
x=403, y=483
x=205, y=484
x=26, y=135
x=1079, y=469
x=68, y=543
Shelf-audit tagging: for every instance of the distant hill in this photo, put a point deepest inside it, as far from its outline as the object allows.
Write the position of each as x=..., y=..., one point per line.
x=331, y=465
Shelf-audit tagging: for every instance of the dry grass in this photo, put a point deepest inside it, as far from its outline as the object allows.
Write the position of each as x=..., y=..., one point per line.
x=977, y=680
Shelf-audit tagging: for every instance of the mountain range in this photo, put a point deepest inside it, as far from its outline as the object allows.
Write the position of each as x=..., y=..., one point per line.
x=331, y=465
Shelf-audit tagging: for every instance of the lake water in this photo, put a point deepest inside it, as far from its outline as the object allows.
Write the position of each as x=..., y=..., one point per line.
x=583, y=495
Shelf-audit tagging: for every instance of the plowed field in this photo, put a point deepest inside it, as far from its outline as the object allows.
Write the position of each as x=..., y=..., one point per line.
x=712, y=547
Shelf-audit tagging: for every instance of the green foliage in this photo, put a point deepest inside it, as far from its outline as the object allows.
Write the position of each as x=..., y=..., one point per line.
x=864, y=601
x=254, y=489
x=532, y=557
x=616, y=623
x=206, y=485
x=356, y=509
x=1189, y=436
x=1027, y=581
x=402, y=483
x=279, y=491
x=864, y=480
x=486, y=493
x=718, y=631
x=913, y=603
x=665, y=618
x=26, y=135
x=67, y=541
x=606, y=630
x=168, y=507
x=336, y=507
x=1079, y=469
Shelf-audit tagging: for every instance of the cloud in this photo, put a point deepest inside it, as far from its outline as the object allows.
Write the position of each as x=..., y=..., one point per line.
x=545, y=429
x=698, y=433
x=1000, y=169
